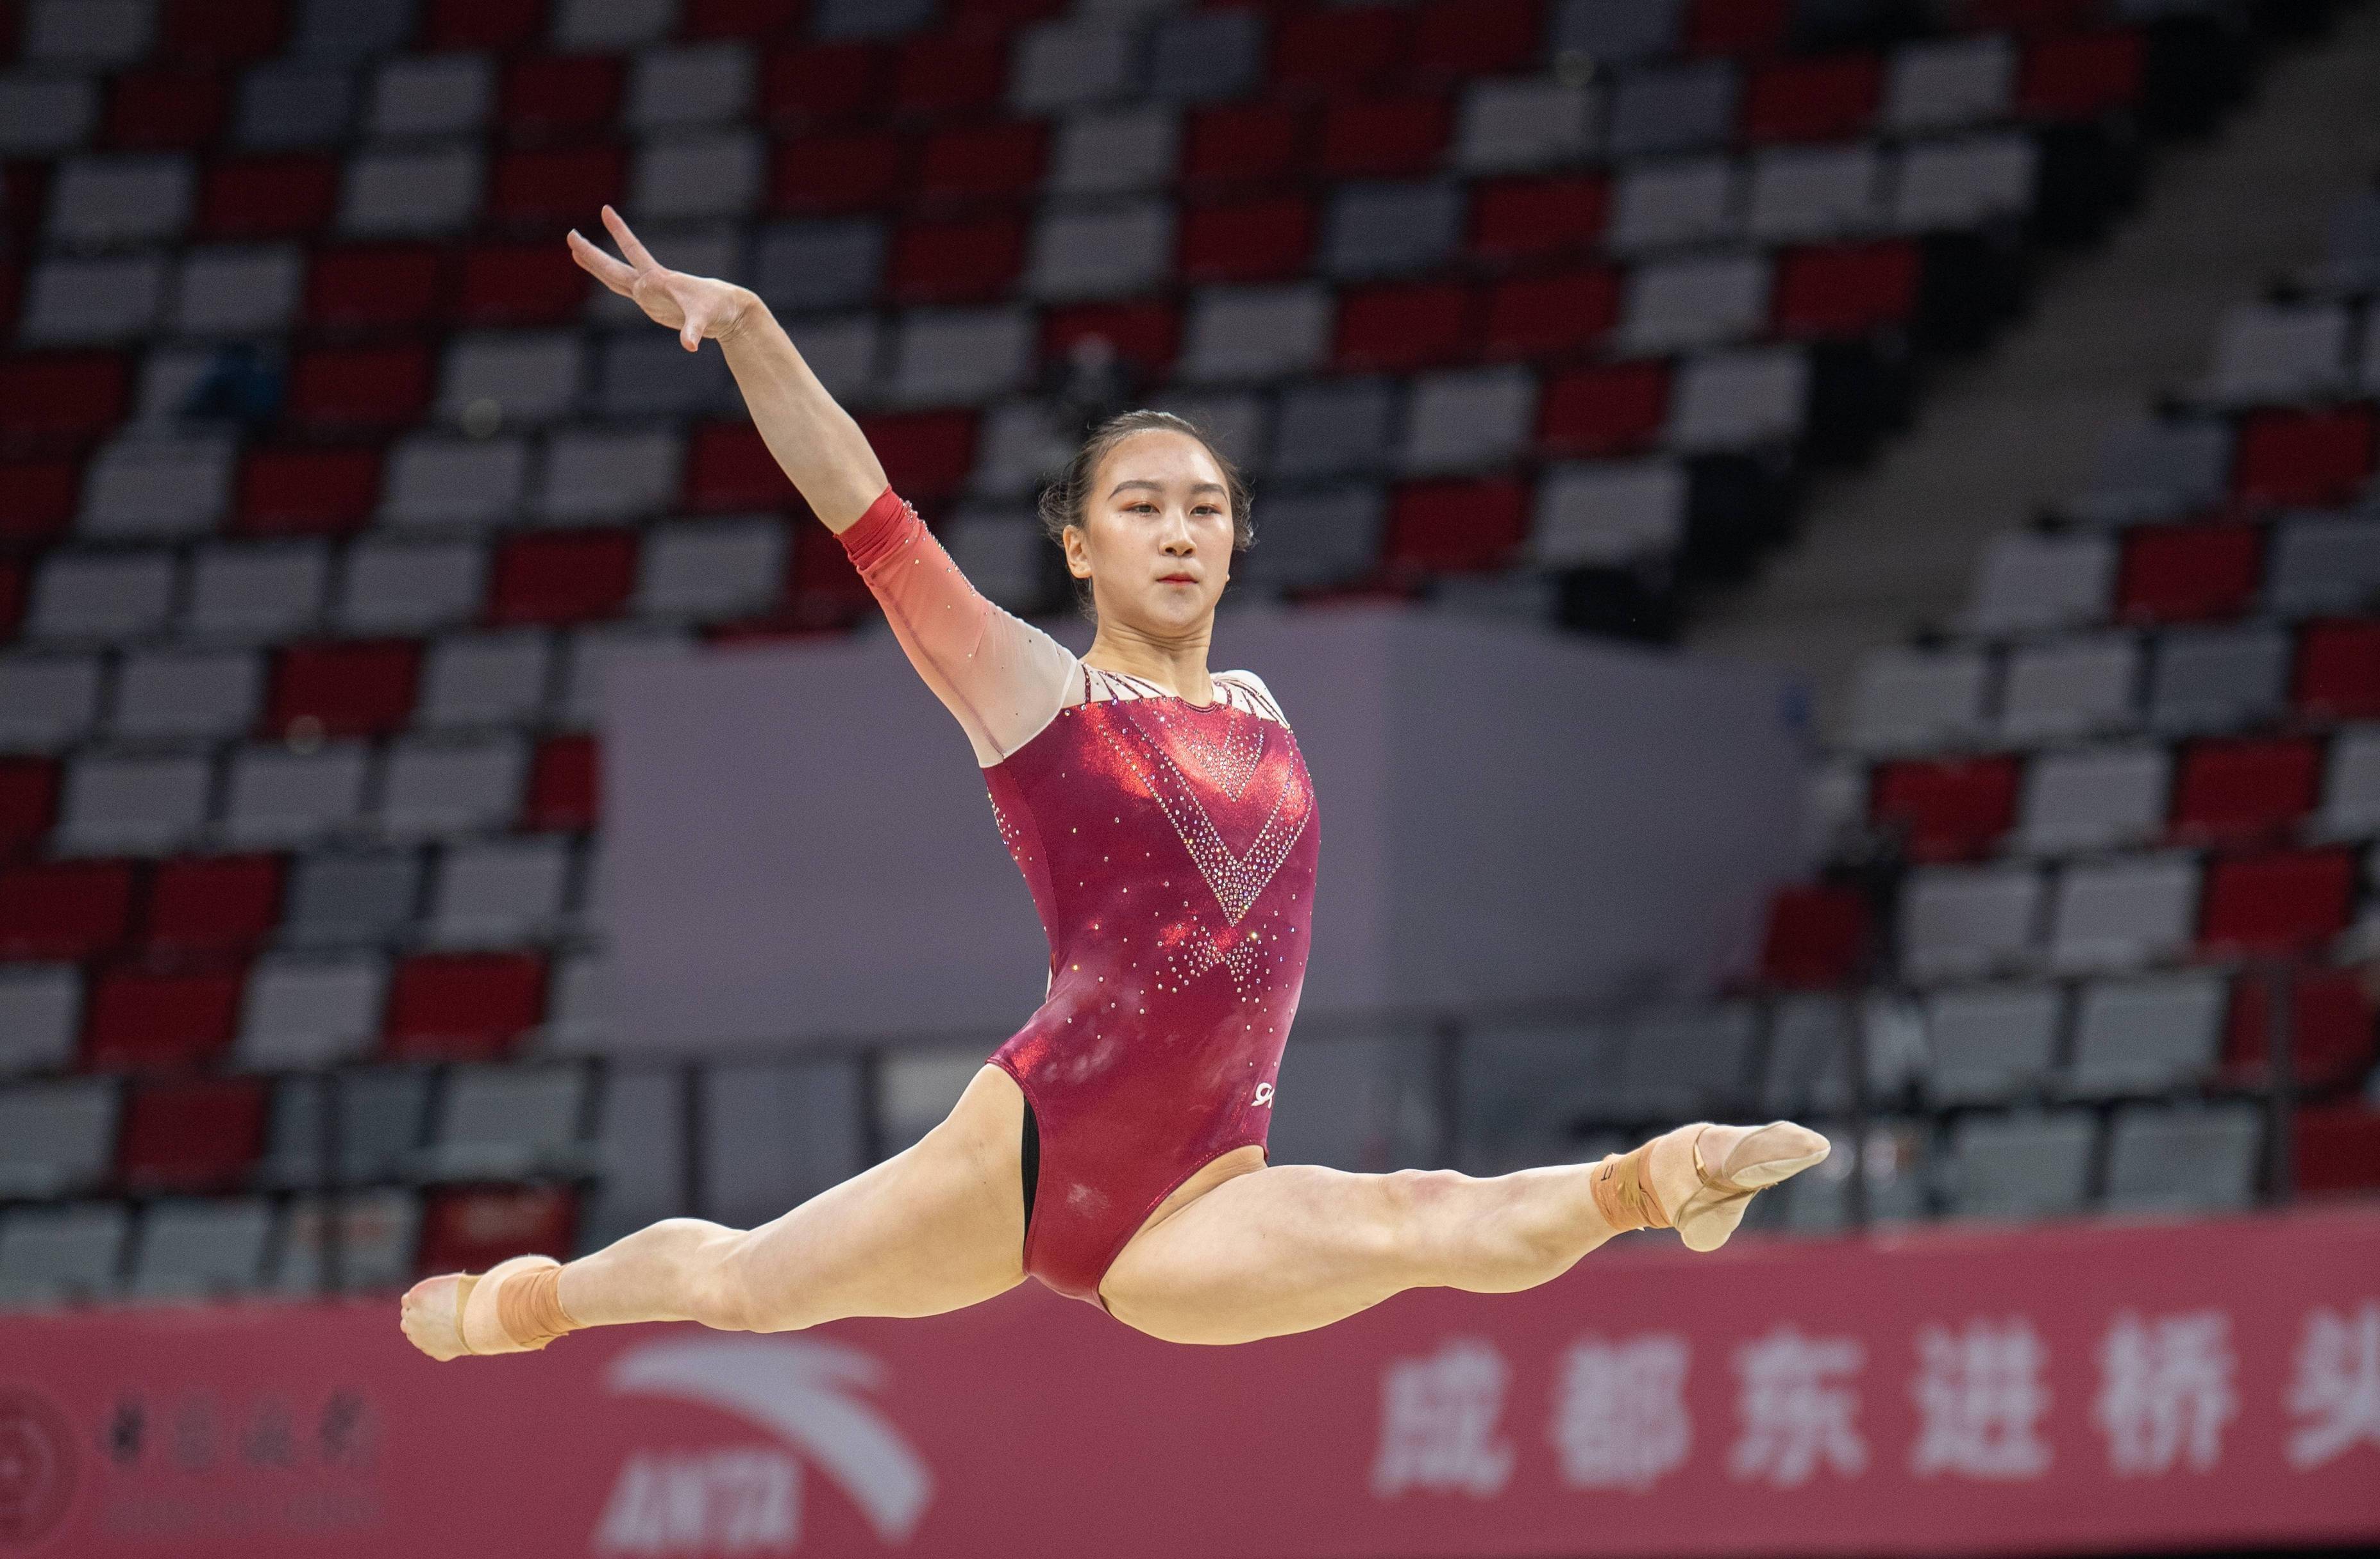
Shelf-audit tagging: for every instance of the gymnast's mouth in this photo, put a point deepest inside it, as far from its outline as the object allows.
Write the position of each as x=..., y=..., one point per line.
x=1176, y=579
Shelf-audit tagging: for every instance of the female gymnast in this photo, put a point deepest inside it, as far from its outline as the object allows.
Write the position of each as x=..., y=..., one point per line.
x=1163, y=819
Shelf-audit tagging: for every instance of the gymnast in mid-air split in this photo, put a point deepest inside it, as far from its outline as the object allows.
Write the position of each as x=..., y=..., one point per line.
x=1162, y=815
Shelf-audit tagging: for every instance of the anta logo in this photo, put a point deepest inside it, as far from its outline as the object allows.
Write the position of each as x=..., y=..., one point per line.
x=743, y=1500
x=1264, y=1094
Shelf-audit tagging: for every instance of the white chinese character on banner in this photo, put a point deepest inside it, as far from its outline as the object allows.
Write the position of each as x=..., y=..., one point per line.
x=1981, y=1396
x=2165, y=1392
x=2335, y=1396
x=1797, y=1408
x=1620, y=1411
x=1437, y=1422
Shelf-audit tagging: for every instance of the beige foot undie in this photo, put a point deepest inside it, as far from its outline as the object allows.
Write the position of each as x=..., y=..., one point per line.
x=1699, y=1179
x=514, y=1307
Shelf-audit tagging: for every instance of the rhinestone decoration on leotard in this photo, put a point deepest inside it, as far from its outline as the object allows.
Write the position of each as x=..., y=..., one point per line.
x=1229, y=761
x=1237, y=879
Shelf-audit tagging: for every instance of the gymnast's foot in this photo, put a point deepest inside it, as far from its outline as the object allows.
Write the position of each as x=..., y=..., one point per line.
x=514, y=1307
x=1699, y=1179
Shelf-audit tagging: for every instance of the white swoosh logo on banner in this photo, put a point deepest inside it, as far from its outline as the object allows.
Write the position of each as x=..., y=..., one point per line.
x=790, y=1389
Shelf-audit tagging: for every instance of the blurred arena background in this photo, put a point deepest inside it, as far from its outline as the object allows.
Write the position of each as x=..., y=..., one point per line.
x=1909, y=465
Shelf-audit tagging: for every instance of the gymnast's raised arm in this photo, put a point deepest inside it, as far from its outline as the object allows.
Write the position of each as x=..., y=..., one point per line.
x=1003, y=677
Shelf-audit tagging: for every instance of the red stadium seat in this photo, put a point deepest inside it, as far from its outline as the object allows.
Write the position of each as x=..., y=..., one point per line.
x=570, y=576
x=535, y=284
x=1817, y=938
x=1400, y=326
x=1338, y=49
x=213, y=903
x=1244, y=144
x=192, y=1135
x=472, y=1230
x=2339, y=669
x=1384, y=137
x=2189, y=574
x=1457, y=527
x=374, y=387
x=52, y=397
x=41, y=499
x=1258, y=240
x=974, y=261
x=554, y=97
x=2330, y=1027
x=2082, y=75
x=1946, y=809
x=64, y=909
x=376, y=285
x=2242, y=790
x=564, y=786
x=362, y=687
x=1477, y=37
x=1145, y=334
x=483, y=24
x=283, y=197
x=2303, y=457
x=728, y=468
x=1534, y=218
x=307, y=492
x=826, y=84
x=1613, y=408
x=949, y=72
x=220, y=31
x=926, y=454
x=2337, y=1150
x=2278, y=902
x=1551, y=316
x=12, y=596
x=1847, y=289
x=1738, y=28
x=831, y=176
x=740, y=18
x=561, y=188
x=1828, y=98
x=164, y=110
x=29, y=803
x=996, y=160
x=463, y=1006
x=146, y=1021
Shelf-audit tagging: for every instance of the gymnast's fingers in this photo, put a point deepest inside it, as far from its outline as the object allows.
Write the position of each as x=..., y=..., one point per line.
x=620, y=278
x=636, y=253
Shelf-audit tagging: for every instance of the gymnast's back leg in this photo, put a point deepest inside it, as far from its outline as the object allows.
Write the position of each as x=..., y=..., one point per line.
x=935, y=1228
x=1291, y=1248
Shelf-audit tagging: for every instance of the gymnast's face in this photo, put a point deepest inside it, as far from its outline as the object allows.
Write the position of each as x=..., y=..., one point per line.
x=1155, y=540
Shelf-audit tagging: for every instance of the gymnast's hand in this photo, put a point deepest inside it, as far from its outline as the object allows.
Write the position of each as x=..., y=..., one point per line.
x=694, y=306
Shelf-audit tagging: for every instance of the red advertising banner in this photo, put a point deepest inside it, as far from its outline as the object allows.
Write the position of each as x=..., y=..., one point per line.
x=1949, y=1391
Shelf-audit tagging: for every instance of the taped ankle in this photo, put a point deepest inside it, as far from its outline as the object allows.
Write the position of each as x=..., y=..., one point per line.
x=1623, y=1193
x=528, y=1308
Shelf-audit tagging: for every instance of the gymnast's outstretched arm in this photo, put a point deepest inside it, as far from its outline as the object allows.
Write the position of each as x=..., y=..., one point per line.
x=1001, y=676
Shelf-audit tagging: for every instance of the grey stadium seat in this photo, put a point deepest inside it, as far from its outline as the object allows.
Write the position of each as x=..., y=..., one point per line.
x=1799, y=193
x=2323, y=563
x=1967, y=920
x=195, y=1249
x=2030, y=582
x=47, y=701
x=2350, y=789
x=1385, y=229
x=294, y=104
x=41, y=1012
x=2155, y=468
x=1705, y=300
x=414, y=193
x=133, y=804
x=510, y=1122
x=1463, y=419
x=394, y=585
x=118, y=199
x=698, y=175
x=643, y=373
x=708, y=569
x=1900, y=1169
x=377, y=1232
x=310, y=1010
x=432, y=95
x=531, y=376
x=143, y=486
x=960, y=356
x=56, y=1138
x=1202, y=56
x=278, y=795
x=500, y=892
x=2123, y=914
x=1100, y=251
x=1257, y=332
x=1316, y=538
x=1949, y=84
x=433, y=787
x=244, y=289
x=1987, y=1043
x=2147, y=1035
x=383, y=1125
x=1965, y=182
x=342, y=899
x=2213, y=679
x=2280, y=352
x=1673, y=201
x=1618, y=31
x=1688, y=1063
x=2093, y=798
x=106, y=596
x=609, y=473
x=1382, y=1111
x=1062, y=65
x=1001, y=552
x=160, y=696
x=1609, y=513
x=639, y=1153
x=52, y=1255
x=1332, y=427
x=1672, y=108
x=778, y=1134
x=704, y=83
x=1114, y=151
x=800, y=266
x=2021, y=1165
x=436, y=481
x=257, y=590
x=1917, y=698
x=2071, y=687
x=1740, y=400
x=82, y=301
x=1513, y=125
x=2198, y=1158
x=485, y=679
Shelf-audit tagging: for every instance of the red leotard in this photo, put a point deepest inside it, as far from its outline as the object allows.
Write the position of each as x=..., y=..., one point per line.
x=1170, y=851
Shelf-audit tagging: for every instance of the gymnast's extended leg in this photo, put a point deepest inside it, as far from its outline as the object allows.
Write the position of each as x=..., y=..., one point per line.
x=1295, y=1247
x=935, y=1228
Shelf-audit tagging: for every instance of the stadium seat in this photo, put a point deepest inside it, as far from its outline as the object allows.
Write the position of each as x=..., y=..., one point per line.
x=1527, y=218
x=1263, y=240
x=463, y=1006
x=528, y=378
x=1815, y=936
x=639, y=1154
x=2309, y=458
x=1964, y=182
x=288, y=105
x=194, y=1135
x=1990, y=1044
x=131, y=805
x=29, y=796
x=1508, y=127
x=2240, y=791
x=1946, y=809
x=163, y=695
x=237, y=290
x=1682, y=107
x=2350, y=786
x=510, y=1123
x=2030, y=582
x=2330, y=1027
x=1468, y=418
x=285, y=492
x=213, y=903
x=824, y=263
x=1337, y=50
x=361, y=387
x=2094, y=798
x=341, y=898
x=1968, y=920
x=355, y=688
x=432, y=94
x=1670, y=202
x=1334, y=427
x=437, y=481
x=1400, y=136
x=1326, y=537
x=2336, y=1149
x=2211, y=679
x=959, y=356
x=1949, y=84
x=1800, y=194
x=2071, y=687
x=433, y=787
x=610, y=475
x=2026, y=1165
x=2269, y=352
x=40, y=1011
x=63, y=910
x=1705, y=300
x=1555, y=315
x=287, y=195
x=394, y=585
x=2320, y=564
x=586, y=653
x=1757, y=398
x=1825, y=98
x=2123, y=914
x=1452, y=526
x=500, y=892
x=2147, y=1035
x=307, y=1010
x=2082, y=75
x=1615, y=408
x=2337, y=670
x=2193, y=1158
x=47, y=701
x=1112, y=252
x=410, y=194
x=1397, y=326
x=101, y=596
x=1908, y=698
x=199, y=1250
x=2276, y=902
x=711, y=569
x=52, y=1255
x=144, y=1021
x=377, y=1230
x=2188, y=574
x=472, y=1230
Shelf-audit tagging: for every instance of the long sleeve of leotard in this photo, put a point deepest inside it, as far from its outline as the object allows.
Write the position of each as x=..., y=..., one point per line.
x=1002, y=676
